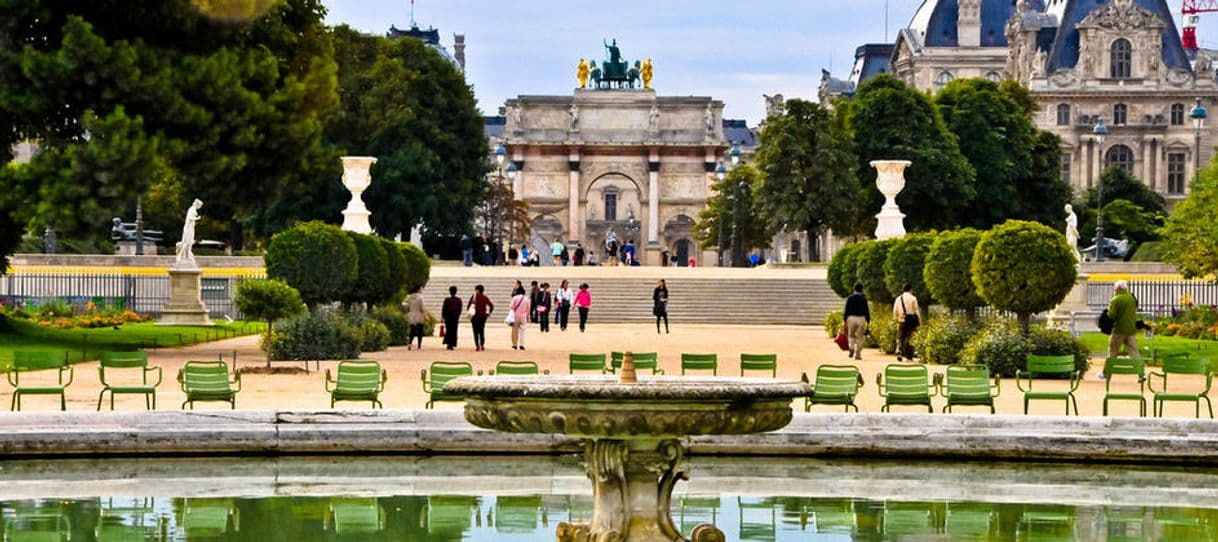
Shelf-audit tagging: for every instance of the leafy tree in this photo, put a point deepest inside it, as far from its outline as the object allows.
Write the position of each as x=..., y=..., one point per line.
x=734, y=211
x=947, y=275
x=904, y=264
x=1131, y=209
x=1023, y=267
x=842, y=269
x=809, y=181
x=407, y=105
x=1043, y=195
x=1190, y=237
x=891, y=121
x=418, y=266
x=371, y=271
x=1117, y=183
x=317, y=259
x=871, y=258
x=391, y=290
x=268, y=300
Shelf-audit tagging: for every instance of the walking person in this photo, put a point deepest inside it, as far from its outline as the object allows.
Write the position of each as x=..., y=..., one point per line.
x=905, y=312
x=583, y=302
x=467, y=251
x=482, y=310
x=416, y=314
x=450, y=312
x=534, y=298
x=544, y=302
x=556, y=249
x=518, y=318
x=566, y=298
x=1123, y=310
x=857, y=316
x=659, y=305
x=524, y=255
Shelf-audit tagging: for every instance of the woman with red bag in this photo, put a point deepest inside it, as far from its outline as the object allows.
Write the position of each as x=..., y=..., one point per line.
x=857, y=316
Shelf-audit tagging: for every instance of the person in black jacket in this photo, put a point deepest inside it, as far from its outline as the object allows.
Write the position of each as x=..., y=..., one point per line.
x=659, y=307
x=451, y=313
x=857, y=316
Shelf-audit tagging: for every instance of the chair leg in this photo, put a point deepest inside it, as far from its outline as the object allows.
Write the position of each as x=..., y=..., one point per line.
x=1209, y=406
x=1142, y=407
x=99, y=398
x=63, y=401
x=1074, y=401
x=13, y=404
x=1025, y=405
x=1105, y=406
x=111, y=400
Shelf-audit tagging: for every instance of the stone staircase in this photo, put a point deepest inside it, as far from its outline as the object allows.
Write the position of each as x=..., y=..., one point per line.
x=696, y=300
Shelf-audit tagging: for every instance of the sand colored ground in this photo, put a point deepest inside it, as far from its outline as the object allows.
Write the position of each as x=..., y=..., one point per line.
x=800, y=349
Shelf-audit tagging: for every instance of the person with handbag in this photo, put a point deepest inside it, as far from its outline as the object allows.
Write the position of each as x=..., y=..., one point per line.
x=480, y=308
x=905, y=312
x=545, y=300
x=857, y=316
x=583, y=302
x=518, y=318
x=450, y=312
x=659, y=305
x=1123, y=310
x=416, y=315
x=566, y=297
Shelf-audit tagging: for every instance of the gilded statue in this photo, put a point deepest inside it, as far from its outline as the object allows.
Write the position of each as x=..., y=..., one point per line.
x=582, y=73
x=647, y=73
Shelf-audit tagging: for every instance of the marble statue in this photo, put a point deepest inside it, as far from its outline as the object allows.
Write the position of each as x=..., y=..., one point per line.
x=774, y=105
x=1204, y=63
x=647, y=72
x=709, y=118
x=574, y=112
x=186, y=256
x=1072, y=231
x=653, y=119
x=582, y=73
x=1039, y=63
x=517, y=123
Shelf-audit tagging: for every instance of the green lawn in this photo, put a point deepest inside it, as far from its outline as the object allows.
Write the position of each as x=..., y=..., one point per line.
x=87, y=344
x=1163, y=346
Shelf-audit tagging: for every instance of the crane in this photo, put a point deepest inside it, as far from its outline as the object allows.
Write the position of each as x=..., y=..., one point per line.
x=1191, y=11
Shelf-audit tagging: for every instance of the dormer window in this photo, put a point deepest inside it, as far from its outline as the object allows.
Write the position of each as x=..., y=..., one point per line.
x=1121, y=60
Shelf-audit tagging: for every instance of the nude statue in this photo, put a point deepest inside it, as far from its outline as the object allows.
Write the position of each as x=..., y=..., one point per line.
x=186, y=256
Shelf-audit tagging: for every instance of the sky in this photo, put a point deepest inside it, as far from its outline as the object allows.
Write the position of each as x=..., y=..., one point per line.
x=732, y=51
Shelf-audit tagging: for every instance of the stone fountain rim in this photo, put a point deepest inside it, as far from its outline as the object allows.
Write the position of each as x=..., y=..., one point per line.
x=650, y=388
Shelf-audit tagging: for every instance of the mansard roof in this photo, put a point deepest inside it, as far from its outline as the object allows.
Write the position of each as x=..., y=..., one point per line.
x=1065, y=45
x=870, y=60
x=935, y=22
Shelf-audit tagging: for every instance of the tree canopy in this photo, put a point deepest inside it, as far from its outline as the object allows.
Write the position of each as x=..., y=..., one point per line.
x=1190, y=237
x=741, y=221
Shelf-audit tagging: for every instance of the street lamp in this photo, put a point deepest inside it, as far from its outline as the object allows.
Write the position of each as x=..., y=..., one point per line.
x=1099, y=131
x=509, y=201
x=497, y=227
x=735, y=154
x=737, y=244
x=1198, y=114
x=721, y=174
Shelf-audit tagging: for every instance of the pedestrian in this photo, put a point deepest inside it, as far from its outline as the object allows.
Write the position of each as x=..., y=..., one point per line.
x=486, y=251
x=519, y=287
x=524, y=255
x=905, y=312
x=754, y=259
x=659, y=305
x=583, y=302
x=579, y=257
x=566, y=297
x=467, y=250
x=544, y=302
x=451, y=313
x=556, y=249
x=518, y=318
x=534, y=298
x=416, y=315
x=483, y=307
x=1123, y=310
x=565, y=257
x=592, y=260
x=628, y=253
x=513, y=256
x=664, y=256
x=857, y=316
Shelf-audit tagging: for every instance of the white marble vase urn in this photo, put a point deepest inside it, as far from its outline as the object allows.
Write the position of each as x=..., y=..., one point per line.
x=890, y=179
x=356, y=178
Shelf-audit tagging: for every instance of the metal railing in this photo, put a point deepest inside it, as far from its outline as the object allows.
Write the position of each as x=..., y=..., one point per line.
x=1157, y=298
x=144, y=294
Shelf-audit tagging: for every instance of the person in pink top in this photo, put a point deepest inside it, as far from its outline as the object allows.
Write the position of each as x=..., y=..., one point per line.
x=520, y=316
x=583, y=302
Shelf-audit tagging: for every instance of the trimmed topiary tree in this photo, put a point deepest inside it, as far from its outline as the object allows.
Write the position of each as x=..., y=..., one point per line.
x=870, y=270
x=904, y=263
x=418, y=266
x=268, y=300
x=947, y=273
x=842, y=269
x=316, y=259
x=392, y=291
x=1024, y=268
x=372, y=272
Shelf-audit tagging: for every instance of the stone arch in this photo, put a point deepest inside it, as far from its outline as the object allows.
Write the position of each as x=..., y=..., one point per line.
x=627, y=195
x=678, y=232
x=544, y=230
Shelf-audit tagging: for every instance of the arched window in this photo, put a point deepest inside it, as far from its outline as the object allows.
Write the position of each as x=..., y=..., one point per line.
x=1121, y=60
x=1119, y=156
x=1120, y=114
x=1063, y=114
x=994, y=77
x=1177, y=114
x=943, y=79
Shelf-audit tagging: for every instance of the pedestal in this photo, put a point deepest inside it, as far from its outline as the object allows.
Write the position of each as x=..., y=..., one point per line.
x=890, y=179
x=185, y=305
x=651, y=255
x=1075, y=301
x=356, y=178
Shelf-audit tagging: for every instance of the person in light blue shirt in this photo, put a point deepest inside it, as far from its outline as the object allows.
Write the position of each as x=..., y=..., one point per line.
x=556, y=249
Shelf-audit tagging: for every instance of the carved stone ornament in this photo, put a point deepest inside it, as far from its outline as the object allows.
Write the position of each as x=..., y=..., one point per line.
x=1123, y=15
x=1179, y=77
x=1064, y=78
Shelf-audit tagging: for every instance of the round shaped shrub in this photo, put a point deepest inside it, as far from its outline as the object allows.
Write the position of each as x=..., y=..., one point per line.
x=1058, y=342
x=834, y=322
x=1000, y=346
x=947, y=274
x=392, y=290
x=373, y=336
x=372, y=272
x=318, y=335
x=1024, y=268
x=268, y=300
x=418, y=266
x=904, y=263
x=842, y=270
x=396, y=321
x=870, y=270
x=317, y=259
x=942, y=338
x=883, y=329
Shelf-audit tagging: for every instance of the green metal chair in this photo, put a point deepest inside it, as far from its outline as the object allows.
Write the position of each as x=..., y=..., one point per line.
x=25, y=361
x=969, y=385
x=441, y=373
x=517, y=368
x=451, y=515
x=209, y=381
x=1125, y=367
x=700, y=362
x=209, y=517
x=1181, y=364
x=349, y=516
x=358, y=380
x=835, y=385
x=1047, y=523
x=1048, y=366
x=517, y=514
x=973, y=521
x=758, y=520
x=759, y=362
x=642, y=361
x=905, y=385
x=136, y=522
x=37, y=527
x=128, y=362
x=696, y=510
x=586, y=363
x=908, y=520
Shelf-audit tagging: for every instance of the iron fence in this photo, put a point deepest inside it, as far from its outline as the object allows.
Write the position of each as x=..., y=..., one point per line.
x=145, y=294
x=1156, y=298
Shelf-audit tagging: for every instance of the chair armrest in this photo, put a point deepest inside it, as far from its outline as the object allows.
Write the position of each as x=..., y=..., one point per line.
x=380, y=386
x=1019, y=377
x=1209, y=381
x=1075, y=379
x=14, y=379
x=329, y=380
x=181, y=380
x=237, y=381
x=861, y=381
x=936, y=385
x=71, y=375
x=997, y=387
x=1150, y=381
x=879, y=382
x=658, y=370
x=426, y=385
x=101, y=376
x=160, y=375
x=545, y=372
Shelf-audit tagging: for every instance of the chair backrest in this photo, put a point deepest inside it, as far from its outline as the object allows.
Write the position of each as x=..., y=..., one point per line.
x=359, y=373
x=759, y=362
x=1183, y=364
x=642, y=360
x=906, y=380
x=968, y=380
x=700, y=362
x=124, y=360
x=836, y=380
x=1124, y=366
x=1050, y=364
x=33, y=360
x=586, y=362
x=443, y=371
x=205, y=375
x=516, y=368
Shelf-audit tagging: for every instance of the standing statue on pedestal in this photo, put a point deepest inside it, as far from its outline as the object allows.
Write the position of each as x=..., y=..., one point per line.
x=1072, y=231
x=574, y=112
x=186, y=256
x=647, y=72
x=582, y=73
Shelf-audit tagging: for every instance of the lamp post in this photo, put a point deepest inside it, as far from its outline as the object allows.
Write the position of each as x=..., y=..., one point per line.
x=1198, y=114
x=497, y=222
x=1099, y=131
x=139, y=226
x=509, y=201
x=721, y=174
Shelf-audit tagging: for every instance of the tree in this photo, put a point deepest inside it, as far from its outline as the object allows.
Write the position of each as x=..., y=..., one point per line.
x=405, y=104
x=1023, y=267
x=371, y=271
x=891, y=121
x=1190, y=237
x=871, y=257
x=809, y=179
x=904, y=264
x=1131, y=209
x=317, y=259
x=1116, y=183
x=418, y=266
x=268, y=300
x=947, y=274
x=733, y=211
x=391, y=291
x=842, y=269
